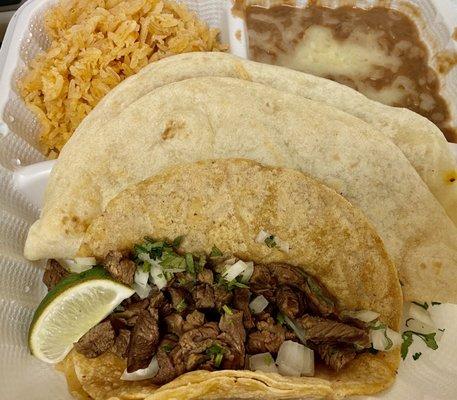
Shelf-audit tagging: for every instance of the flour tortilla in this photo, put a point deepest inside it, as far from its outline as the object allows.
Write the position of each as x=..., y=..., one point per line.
x=420, y=140
x=204, y=118
x=226, y=203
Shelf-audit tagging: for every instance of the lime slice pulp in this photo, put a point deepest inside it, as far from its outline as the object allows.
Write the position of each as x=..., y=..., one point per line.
x=76, y=304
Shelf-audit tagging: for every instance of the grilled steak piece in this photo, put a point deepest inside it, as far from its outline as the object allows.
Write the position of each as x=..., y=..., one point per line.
x=180, y=298
x=144, y=340
x=174, y=323
x=290, y=301
x=167, y=371
x=121, y=343
x=319, y=299
x=96, y=341
x=53, y=274
x=267, y=338
x=241, y=298
x=322, y=330
x=222, y=296
x=336, y=357
x=194, y=320
x=233, y=335
x=206, y=276
x=203, y=295
x=158, y=301
x=120, y=268
x=263, y=282
x=199, y=339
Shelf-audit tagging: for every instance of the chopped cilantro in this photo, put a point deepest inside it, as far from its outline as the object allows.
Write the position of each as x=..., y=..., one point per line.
x=435, y=303
x=177, y=242
x=407, y=341
x=201, y=263
x=146, y=267
x=235, y=283
x=268, y=359
x=416, y=356
x=171, y=260
x=214, y=350
x=429, y=340
x=181, y=306
x=227, y=309
x=190, y=263
x=423, y=305
x=318, y=291
x=270, y=241
x=218, y=360
x=167, y=347
x=215, y=252
x=280, y=319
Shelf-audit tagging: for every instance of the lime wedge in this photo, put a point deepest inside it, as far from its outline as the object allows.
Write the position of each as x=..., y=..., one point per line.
x=69, y=310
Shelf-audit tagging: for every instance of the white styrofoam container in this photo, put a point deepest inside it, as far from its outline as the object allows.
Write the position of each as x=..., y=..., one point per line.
x=23, y=175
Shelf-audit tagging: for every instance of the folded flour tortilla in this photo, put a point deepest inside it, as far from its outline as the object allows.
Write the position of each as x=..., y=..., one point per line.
x=420, y=140
x=204, y=118
x=226, y=203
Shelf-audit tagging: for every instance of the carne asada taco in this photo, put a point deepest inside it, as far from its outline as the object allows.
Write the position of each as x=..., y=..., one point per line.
x=251, y=282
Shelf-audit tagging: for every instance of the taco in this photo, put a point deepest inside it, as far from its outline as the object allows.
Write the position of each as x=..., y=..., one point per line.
x=263, y=283
x=204, y=118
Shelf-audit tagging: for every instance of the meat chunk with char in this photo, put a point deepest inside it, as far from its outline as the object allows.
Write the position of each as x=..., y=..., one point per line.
x=158, y=301
x=199, y=339
x=96, y=341
x=193, y=320
x=290, y=301
x=222, y=296
x=180, y=298
x=174, y=323
x=144, y=340
x=241, y=298
x=53, y=274
x=206, y=276
x=267, y=338
x=336, y=357
x=203, y=295
x=323, y=330
x=167, y=371
x=233, y=335
x=121, y=343
x=120, y=268
x=263, y=282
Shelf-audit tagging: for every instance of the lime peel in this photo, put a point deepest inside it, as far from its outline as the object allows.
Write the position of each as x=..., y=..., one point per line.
x=68, y=311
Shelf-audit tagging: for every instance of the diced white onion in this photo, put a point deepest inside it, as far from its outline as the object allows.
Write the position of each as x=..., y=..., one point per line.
x=282, y=245
x=419, y=327
x=422, y=315
x=147, y=373
x=362, y=315
x=234, y=270
x=299, y=331
x=246, y=275
x=142, y=290
x=258, y=304
x=380, y=341
x=262, y=362
x=294, y=359
x=158, y=276
x=72, y=266
x=262, y=236
x=87, y=261
x=141, y=276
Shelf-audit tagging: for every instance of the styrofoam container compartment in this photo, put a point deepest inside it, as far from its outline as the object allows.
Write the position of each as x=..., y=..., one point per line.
x=24, y=172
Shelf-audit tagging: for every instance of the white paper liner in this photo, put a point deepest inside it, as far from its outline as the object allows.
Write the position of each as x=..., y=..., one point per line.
x=24, y=377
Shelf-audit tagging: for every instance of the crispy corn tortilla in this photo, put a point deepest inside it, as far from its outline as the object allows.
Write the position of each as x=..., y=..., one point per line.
x=204, y=118
x=420, y=140
x=226, y=203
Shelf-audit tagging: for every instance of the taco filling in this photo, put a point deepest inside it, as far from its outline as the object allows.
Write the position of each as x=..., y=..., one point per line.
x=209, y=312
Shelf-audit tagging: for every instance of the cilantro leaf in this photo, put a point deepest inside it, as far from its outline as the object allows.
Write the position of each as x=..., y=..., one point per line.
x=407, y=341
x=270, y=241
x=227, y=309
x=190, y=263
x=215, y=252
x=280, y=319
x=181, y=306
x=167, y=347
x=218, y=360
x=429, y=340
x=177, y=241
x=416, y=356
